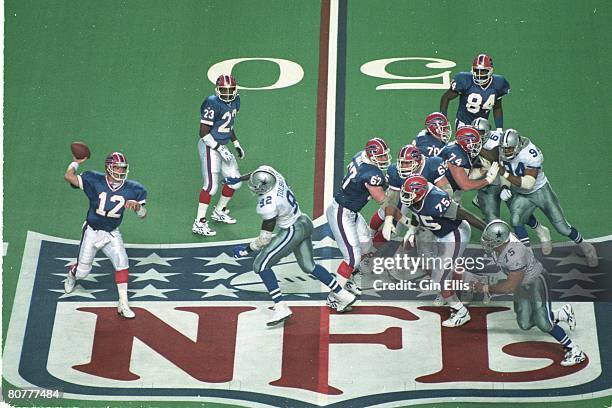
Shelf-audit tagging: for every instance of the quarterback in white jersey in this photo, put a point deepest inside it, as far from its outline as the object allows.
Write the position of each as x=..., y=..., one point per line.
x=523, y=171
x=277, y=205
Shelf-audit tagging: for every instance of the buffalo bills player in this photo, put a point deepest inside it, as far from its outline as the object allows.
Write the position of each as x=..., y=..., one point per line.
x=435, y=136
x=432, y=208
x=364, y=179
x=109, y=194
x=217, y=116
x=277, y=205
x=480, y=92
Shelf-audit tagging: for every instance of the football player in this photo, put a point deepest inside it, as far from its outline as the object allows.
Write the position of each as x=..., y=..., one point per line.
x=435, y=136
x=480, y=92
x=277, y=205
x=217, y=116
x=465, y=169
x=528, y=281
x=523, y=171
x=432, y=208
x=488, y=198
x=109, y=195
x=364, y=179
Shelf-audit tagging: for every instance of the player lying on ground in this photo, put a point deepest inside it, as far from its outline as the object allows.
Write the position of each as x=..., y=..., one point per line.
x=109, y=194
x=277, y=205
x=529, y=189
x=528, y=281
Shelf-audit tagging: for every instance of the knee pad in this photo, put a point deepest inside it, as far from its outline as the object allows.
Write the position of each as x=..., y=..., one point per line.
x=345, y=270
x=82, y=271
x=213, y=187
x=236, y=186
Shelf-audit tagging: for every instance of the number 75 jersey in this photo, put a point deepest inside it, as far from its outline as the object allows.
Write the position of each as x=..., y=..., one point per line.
x=279, y=203
x=431, y=211
x=529, y=157
x=107, y=204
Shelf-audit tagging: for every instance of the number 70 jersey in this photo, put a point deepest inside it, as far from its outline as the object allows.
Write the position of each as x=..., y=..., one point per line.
x=279, y=203
x=107, y=204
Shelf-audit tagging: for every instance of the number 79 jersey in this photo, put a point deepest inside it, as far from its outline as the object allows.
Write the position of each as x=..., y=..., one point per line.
x=354, y=193
x=530, y=157
x=279, y=203
x=220, y=116
x=431, y=210
x=107, y=204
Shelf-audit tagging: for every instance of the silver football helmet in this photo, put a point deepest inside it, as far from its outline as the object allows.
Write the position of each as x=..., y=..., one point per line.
x=262, y=180
x=484, y=128
x=511, y=144
x=496, y=233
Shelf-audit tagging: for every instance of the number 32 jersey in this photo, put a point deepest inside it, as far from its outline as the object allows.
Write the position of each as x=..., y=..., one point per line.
x=431, y=210
x=354, y=193
x=220, y=116
x=279, y=203
x=107, y=204
x=476, y=101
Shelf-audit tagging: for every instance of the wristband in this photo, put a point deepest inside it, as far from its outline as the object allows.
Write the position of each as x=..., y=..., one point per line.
x=236, y=143
x=74, y=165
x=142, y=212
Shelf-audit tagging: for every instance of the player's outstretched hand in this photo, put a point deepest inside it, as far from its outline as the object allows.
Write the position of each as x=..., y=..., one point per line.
x=505, y=194
x=132, y=205
x=230, y=181
x=240, y=152
x=240, y=251
x=74, y=159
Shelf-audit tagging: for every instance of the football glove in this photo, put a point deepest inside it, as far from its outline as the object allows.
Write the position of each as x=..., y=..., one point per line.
x=492, y=173
x=240, y=251
x=505, y=194
x=225, y=153
x=388, y=228
x=410, y=236
x=239, y=150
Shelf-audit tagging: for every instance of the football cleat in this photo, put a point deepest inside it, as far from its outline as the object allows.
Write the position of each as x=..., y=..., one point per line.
x=590, y=254
x=70, y=280
x=566, y=314
x=202, y=228
x=280, y=313
x=573, y=356
x=344, y=300
x=124, y=311
x=223, y=217
x=544, y=237
x=353, y=284
x=457, y=318
x=439, y=301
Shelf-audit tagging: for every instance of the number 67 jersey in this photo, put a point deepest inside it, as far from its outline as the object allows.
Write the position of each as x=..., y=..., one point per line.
x=106, y=202
x=354, y=194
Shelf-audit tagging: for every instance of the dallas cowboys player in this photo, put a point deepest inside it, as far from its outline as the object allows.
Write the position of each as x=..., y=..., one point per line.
x=528, y=281
x=480, y=92
x=217, y=116
x=488, y=198
x=432, y=208
x=109, y=194
x=277, y=205
x=523, y=171
x=364, y=179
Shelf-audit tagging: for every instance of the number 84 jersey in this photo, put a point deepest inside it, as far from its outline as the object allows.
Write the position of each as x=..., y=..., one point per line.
x=529, y=157
x=279, y=203
x=107, y=203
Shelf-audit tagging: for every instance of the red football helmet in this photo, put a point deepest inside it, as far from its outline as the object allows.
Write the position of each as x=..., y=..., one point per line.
x=378, y=152
x=482, y=69
x=226, y=88
x=437, y=125
x=117, y=167
x=414, y=190
x=468, y=138
x=408, y=160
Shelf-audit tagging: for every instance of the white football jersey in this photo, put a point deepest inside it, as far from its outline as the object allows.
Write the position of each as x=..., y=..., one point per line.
x=530, y=157
x=493, y=140
x=279, y=203
x=517, y=257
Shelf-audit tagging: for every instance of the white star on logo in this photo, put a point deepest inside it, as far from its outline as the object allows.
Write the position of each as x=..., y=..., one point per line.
x=219, y=290
x=575, y=274
x=72, y=261
x=220, y=274
x=150, y=290
x=222, y=258
x=152, y=274
x=78, y=291
x=569, y=259
x=577, y=290
x=153, y=258
x=91, y=277
x=324, y=243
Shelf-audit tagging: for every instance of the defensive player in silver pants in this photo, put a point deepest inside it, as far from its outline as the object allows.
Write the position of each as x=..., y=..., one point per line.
x=529, y=189
x=277, y=205
x=528, y=281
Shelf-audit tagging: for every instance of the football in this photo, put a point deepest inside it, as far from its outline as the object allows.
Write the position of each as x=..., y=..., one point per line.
x=80, y=150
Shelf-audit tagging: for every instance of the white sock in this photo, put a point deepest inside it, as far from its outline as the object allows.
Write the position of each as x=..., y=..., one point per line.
x=454, y=302
x=341, y=280
x=122, y=289
x=222, y=202
x=202, y=208
x=556, y=315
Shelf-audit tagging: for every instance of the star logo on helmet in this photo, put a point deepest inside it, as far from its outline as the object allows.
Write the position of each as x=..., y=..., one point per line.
x=499, y=234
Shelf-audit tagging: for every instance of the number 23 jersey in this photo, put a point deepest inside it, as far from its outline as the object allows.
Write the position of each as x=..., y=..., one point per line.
x=279, y=203
x=107, y=204
x=354, y=193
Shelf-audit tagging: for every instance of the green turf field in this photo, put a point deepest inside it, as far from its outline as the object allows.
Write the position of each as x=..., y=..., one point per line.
x=131, y=75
